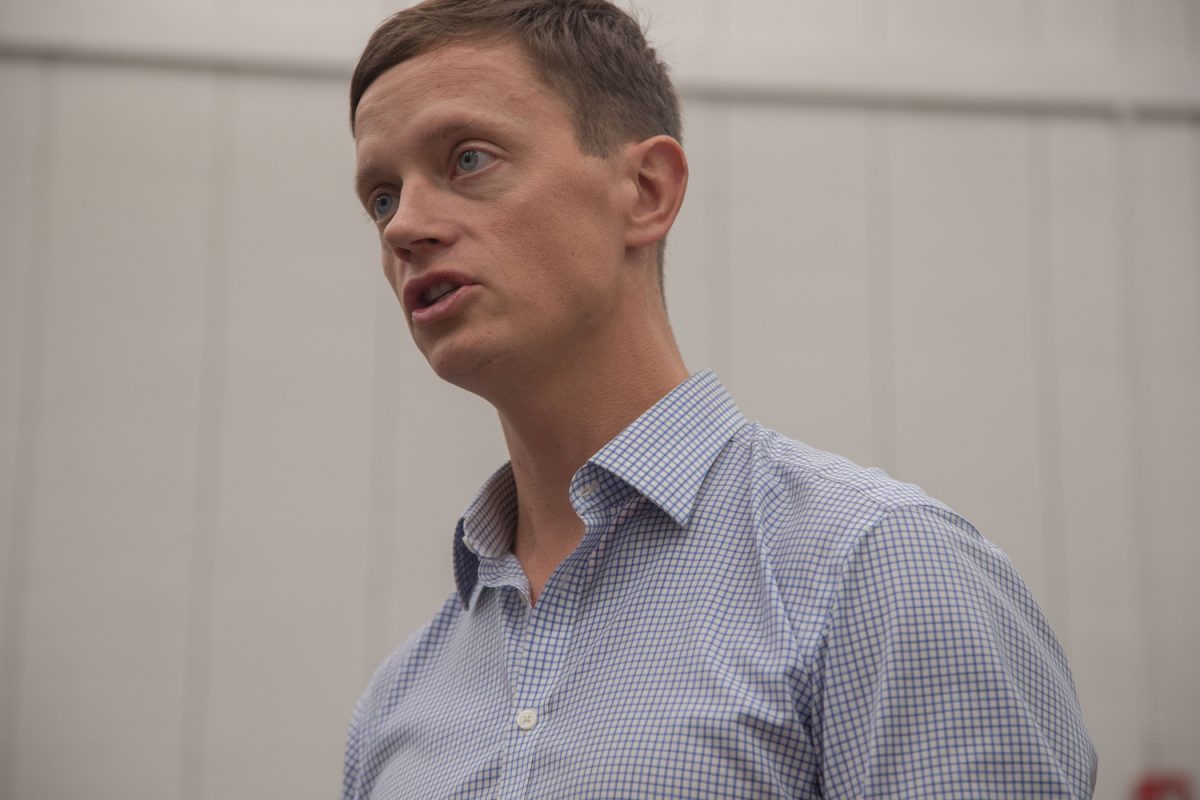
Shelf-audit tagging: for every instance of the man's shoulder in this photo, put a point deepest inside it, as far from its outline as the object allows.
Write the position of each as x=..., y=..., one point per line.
x=409, y=661
x=811, y=512
x=797, y=488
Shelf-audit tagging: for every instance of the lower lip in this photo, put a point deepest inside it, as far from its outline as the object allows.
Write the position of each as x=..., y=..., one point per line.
x=444, y=308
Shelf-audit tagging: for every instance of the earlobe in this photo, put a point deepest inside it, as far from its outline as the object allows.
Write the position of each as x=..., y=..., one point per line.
x=661, y=174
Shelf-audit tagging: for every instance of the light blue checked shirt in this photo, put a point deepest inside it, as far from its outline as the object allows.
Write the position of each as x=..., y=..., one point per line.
x=746, y=617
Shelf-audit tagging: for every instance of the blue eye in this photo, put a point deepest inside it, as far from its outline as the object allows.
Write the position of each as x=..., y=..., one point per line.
x=383, y=205
x=472, y=160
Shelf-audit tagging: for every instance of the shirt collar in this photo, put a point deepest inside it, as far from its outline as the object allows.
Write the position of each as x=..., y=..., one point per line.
x=485, y=530
x=664, y=455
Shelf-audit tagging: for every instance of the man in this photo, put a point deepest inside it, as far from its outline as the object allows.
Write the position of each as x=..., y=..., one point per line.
x=656, y=598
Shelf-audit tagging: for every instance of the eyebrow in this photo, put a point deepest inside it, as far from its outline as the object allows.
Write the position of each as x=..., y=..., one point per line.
x=449, y=129
x=366, y=178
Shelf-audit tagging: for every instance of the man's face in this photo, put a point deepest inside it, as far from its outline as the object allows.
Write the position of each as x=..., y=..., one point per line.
x=503, y=241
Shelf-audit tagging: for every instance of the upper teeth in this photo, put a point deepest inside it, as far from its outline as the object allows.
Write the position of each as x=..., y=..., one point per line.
x=433, y=293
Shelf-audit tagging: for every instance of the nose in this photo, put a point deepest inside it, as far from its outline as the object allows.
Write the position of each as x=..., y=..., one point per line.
x=420, y=222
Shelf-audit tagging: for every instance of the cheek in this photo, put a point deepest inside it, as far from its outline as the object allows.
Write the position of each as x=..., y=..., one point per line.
x=557, y=241
x=391, y=270
x=572, y=223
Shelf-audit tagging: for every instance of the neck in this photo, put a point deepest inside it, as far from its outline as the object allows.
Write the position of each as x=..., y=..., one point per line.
x=558, y=418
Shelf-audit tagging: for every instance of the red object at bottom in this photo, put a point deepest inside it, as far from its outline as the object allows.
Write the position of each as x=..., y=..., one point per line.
x=1164, y=787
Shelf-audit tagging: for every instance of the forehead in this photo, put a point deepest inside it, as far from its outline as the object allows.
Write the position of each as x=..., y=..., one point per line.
x=482, y=80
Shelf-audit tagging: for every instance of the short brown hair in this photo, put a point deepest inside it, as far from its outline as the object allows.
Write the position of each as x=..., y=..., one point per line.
x=590, y=52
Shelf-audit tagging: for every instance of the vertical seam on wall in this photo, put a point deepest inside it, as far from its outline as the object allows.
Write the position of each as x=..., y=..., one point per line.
x=717, y=233
x=717, y=28
x=380, y=547
x=883, y=21
x=875, y=33
x=1045, y=356
x=28, y=427
x=1193, y=24
x=1194, y=171
x=198, y=637
x=1134, y=403
x=1036, y=33
x=879, y=233
x=1123, y=36
x=718, y=33
x=884, y=412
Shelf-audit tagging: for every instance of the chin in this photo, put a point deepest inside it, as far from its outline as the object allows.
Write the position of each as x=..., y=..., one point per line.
x=470, y=368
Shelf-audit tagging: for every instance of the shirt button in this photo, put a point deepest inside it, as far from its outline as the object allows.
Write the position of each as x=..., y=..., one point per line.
x=587, y=490
x=527, y=719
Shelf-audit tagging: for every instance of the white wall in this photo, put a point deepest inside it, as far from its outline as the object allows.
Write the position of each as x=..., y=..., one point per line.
x=956, y=238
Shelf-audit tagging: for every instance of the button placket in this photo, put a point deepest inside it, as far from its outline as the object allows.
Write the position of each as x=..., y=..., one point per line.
x=523, y=682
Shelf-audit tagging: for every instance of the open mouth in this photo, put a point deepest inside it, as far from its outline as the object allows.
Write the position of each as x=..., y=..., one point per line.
x=437, y=293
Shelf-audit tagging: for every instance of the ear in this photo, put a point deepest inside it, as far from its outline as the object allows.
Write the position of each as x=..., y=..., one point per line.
x=659, y=170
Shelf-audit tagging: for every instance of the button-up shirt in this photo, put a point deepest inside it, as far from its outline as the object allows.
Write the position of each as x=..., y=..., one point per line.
x=745, y=617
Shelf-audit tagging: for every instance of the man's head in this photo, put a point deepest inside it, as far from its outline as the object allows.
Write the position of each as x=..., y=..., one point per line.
x=591, y=53
x=521, y=211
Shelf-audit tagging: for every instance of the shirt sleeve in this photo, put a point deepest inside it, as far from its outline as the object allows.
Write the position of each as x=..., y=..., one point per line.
x=940, y=677
x=351, y=766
